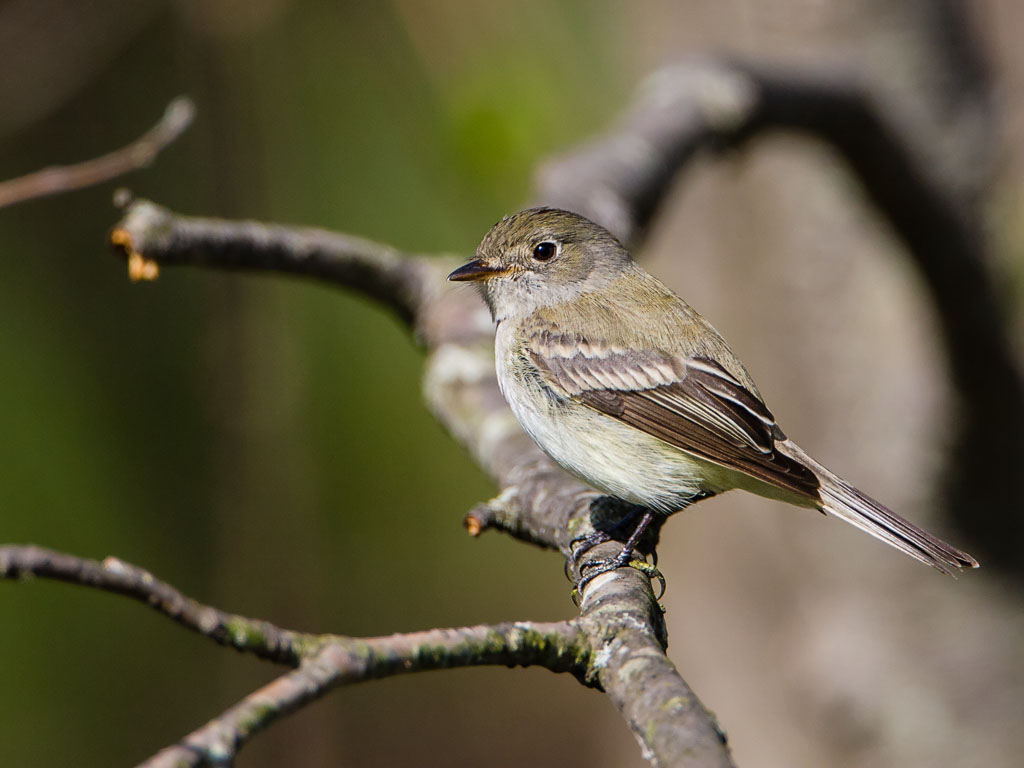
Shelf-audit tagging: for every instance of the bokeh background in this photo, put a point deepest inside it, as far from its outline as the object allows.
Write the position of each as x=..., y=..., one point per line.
x=260, y=442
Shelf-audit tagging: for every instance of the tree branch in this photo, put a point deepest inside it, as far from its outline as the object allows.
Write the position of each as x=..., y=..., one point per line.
x=540, y=503
x=323, y=661
x=619, y=180
x=558, y=646
x=139, y=154
x=149, y=235
x=260, y=638
x=618, y=641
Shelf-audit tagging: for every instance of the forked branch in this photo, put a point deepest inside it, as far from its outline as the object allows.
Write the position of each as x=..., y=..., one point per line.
x=619, y=621
x=322, y=662
x=617, y=642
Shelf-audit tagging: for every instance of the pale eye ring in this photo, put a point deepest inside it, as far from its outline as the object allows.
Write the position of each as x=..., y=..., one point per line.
x=545, y=251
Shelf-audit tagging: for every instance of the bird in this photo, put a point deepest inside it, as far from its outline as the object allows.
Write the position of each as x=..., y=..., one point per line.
x=628, y=388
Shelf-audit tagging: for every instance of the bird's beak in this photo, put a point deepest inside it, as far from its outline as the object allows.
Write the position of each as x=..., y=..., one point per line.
x=475, y=271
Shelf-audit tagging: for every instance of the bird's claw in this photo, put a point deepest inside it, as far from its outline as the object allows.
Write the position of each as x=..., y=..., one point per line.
x=583, y=544
x=595, y=568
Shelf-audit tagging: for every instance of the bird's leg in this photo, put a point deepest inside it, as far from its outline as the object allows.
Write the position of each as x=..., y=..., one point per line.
x=625, y=557
x=627, y=550
x=583, y=544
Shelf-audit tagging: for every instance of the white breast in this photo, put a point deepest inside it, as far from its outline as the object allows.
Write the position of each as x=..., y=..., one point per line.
x=608, y=455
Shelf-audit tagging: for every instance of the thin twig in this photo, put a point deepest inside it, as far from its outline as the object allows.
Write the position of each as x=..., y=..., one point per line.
x=151, y=234
x=254, y=636
x=558, y=646
x=323, y=661
x=139, y=154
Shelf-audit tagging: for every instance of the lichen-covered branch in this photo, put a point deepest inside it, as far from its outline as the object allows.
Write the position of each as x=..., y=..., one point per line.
x=539, y=502
x=139, y=154
x=618, y=179
x=559, y=646
x=618, y=641
x=671, y=725
x=322, y=662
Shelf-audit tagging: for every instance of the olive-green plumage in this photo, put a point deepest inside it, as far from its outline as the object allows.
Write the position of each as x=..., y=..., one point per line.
x=622, y=383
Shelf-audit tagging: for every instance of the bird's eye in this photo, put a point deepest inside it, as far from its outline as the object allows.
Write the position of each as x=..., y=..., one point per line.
x=544, y=251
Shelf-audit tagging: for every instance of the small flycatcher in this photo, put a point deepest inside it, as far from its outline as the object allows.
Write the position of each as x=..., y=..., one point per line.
x=628, y=388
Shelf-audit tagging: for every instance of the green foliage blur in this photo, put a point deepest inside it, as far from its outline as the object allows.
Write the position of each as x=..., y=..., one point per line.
x=260, y=442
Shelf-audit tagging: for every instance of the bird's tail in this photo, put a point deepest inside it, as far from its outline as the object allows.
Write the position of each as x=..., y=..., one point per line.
x=841, y=499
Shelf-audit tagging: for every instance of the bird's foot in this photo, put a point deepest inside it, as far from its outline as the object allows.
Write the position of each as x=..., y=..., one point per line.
x=583, y=544
x=591, y=570
x=625, y=558
x=580, y=546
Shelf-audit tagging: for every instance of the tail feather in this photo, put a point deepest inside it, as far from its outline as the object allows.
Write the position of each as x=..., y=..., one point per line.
x=841, y=499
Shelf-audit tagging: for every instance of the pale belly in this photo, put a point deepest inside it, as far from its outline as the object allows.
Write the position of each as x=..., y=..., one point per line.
x=608, y=455
x=614, y=458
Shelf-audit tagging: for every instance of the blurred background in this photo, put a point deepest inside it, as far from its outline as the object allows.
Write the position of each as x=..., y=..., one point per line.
x=260, y=442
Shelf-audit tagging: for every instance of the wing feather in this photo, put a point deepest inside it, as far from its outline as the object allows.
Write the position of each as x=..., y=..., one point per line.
x=694, y=404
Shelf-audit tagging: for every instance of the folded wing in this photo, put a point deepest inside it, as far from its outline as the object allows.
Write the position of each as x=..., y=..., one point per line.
x=692, y=403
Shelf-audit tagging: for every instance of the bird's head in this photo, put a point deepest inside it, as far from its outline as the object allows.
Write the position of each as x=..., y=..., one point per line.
x=540, y=258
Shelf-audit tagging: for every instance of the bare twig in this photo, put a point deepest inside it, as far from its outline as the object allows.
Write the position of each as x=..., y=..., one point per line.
x=323, y=661
x=112, y=575
x=139, y=154
x=150, y=234
x=559, y=646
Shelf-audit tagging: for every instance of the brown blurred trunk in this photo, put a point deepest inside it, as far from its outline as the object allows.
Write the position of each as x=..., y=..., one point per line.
x=861, y=659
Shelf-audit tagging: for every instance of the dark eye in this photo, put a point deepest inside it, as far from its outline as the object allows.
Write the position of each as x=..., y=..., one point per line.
x=544, y=251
